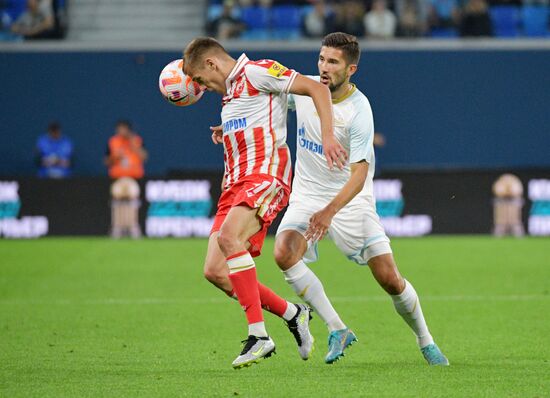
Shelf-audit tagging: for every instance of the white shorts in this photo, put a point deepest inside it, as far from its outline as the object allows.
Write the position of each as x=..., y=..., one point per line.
x=356, y=229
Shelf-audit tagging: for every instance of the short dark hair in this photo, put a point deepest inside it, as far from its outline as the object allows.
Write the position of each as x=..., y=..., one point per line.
x=125, y=123
x=54, y=127
x=345, y=42
x=198, y=48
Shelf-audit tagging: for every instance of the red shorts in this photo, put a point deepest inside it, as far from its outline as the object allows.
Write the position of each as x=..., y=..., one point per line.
x=258, y=191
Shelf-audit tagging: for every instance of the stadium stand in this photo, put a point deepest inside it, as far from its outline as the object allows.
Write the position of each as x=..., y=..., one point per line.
x=286, y=21
x=135, y=20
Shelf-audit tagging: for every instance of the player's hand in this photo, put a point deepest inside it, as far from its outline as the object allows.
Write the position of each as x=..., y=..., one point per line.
x=319, y=224
x=217, y=134
x=334, y=152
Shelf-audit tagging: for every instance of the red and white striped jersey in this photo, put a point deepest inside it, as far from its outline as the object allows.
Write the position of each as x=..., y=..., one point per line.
x=254, y=120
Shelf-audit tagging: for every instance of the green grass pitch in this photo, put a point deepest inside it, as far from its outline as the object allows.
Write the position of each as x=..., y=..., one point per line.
x=98, y=318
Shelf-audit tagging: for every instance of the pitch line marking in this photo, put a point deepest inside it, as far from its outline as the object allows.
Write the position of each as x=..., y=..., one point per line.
x=219, y=300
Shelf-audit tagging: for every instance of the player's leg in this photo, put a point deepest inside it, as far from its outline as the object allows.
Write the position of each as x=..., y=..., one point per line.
x=405, y=300
x=215, y=267
x=217, y=273
x=290, y=247
x=240, y=224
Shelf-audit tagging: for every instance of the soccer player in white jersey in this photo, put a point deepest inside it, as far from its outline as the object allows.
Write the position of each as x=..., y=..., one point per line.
x=256, y=180
x=341, y=203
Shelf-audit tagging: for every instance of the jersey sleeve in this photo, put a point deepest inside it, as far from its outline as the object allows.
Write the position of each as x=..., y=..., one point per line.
x=270, y=76
x=361, y=136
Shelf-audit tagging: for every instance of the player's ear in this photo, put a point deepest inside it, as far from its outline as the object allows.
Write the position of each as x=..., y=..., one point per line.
x=352, y=68
x=210, y=63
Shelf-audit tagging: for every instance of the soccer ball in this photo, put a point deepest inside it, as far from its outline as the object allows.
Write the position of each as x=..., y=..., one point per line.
x=176, y=87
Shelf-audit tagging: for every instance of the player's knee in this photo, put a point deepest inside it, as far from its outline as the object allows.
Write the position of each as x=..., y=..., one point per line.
x=227, y=241
x=290, y=247
x=387, y=276
x=392, y=284
x=215, y=276
x=285, y=257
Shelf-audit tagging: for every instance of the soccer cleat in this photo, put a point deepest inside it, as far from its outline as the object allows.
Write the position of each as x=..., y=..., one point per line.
x=434, y=356
x=255, y=348
x=299, y=327
x=338, y=341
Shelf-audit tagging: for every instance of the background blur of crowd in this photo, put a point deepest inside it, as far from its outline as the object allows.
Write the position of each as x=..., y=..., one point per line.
x=32, y=19
x=292, y=20
x=381, y=19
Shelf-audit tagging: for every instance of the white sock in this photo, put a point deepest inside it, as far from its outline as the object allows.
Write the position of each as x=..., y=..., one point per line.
x=307, y=286
x=257, y=329
x=407, y=305
x=290, y=312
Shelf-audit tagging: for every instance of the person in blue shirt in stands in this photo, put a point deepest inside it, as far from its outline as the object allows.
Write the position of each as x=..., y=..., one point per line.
x=54, y=153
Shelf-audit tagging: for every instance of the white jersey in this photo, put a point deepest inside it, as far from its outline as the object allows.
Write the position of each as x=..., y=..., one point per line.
x=355, y=229
x=353, y=128
x=254, y=120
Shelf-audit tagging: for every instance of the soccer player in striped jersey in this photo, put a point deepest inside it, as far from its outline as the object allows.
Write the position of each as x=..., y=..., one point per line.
x=341, y=203
x=256, y=179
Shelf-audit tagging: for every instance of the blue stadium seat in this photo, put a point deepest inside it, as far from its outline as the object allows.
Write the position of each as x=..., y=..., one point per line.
x=535, y=21
x=285, y=21
x=505, y=20
x=444, y=33
x=257, y=23
x=255, y=17
x=14, y=8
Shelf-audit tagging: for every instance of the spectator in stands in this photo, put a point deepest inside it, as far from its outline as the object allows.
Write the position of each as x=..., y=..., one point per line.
x=349, y=18
x=125, y=153
x=380, y=22
x=227, y=25
x=444, y=14
x=412, y=16
x=37, y=22
x=475, y=19
x=319, y=21
x=54, y=153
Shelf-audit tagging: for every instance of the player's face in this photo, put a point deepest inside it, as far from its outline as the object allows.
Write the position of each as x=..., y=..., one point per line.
x=333, y=68
x=205, y=74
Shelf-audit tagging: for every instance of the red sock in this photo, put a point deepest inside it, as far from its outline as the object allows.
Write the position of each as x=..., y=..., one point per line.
x=242, y=272
x=271, y=301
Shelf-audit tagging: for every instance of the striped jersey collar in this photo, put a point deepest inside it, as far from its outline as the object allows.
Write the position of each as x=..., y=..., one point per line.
x=241, y=62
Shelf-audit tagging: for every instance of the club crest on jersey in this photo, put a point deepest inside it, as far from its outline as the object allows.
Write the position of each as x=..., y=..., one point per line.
x=277, y=69
x=239, y=87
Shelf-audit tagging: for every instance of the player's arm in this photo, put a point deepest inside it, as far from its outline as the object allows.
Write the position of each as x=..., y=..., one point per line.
x=320, y=221
x=320, y=94
x=361, y=134
x=217, y=134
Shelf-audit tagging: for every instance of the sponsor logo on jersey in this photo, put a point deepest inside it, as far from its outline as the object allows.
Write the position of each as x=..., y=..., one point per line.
x=277, y=69
x=234, y=124
x=312, y=146
x=309, y=145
